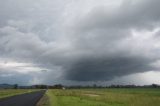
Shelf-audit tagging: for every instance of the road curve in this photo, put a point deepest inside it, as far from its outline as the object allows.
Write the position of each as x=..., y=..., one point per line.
x=28, y=99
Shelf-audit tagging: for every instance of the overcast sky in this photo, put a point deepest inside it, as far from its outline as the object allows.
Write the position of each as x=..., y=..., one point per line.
x=80, y=41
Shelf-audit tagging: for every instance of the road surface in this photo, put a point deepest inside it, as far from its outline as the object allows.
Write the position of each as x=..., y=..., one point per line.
x=28, y=99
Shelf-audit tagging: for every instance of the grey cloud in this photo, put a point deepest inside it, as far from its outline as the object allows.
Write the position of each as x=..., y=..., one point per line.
x=80, y=44
x=12, y=77
x=142, y=14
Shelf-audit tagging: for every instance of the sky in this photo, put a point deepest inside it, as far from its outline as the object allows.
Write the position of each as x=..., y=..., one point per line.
x=80, y=42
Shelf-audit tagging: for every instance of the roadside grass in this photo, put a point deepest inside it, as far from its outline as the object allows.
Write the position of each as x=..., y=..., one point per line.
x=105, y=97
x=11, y=92
x=44, y=101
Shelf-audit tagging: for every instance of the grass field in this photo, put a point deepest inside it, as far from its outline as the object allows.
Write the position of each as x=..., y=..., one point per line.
x=11, y=92
x=105, y=97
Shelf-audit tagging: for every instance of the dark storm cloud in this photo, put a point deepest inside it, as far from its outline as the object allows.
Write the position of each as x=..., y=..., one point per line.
x=79, y=40
x=93, y=69
x=102, y=32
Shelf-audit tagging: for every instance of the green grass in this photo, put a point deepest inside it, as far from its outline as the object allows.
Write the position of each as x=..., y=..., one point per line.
x=105, y=97
x=11, y=92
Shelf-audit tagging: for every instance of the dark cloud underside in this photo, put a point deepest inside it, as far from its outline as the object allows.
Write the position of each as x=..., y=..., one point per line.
x=107, y=68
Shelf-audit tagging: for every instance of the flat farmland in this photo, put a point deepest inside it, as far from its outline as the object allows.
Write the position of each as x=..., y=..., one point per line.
x=104, y=97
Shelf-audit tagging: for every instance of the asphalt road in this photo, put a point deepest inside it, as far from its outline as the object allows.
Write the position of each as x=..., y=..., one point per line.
x=28, y=99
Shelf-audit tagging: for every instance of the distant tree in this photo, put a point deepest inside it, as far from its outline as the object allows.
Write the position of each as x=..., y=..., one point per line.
x=15, y=86
x=58, y=86
x=154, y=85
x=40, y=86
x=94, y=86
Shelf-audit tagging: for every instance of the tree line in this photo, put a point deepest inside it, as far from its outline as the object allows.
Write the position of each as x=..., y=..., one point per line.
x=60, y=86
